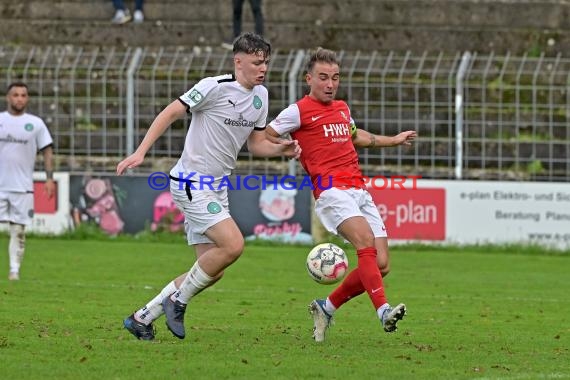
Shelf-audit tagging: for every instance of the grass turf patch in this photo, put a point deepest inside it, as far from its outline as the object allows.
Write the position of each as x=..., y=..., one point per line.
x=471, y=314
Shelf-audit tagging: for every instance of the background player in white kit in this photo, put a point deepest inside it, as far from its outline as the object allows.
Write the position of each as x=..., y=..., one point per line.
x=22, y=135
x=227, y=111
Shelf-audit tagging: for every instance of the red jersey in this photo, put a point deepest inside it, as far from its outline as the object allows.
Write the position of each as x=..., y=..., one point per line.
x=323, y=131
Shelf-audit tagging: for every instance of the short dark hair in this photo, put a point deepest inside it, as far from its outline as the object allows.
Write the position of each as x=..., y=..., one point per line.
x=16, y=84
x=322, y=56
x=251, y=43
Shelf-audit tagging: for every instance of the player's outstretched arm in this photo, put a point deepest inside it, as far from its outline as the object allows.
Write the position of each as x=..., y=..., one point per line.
x=174, y=111
x=263, y=144
x=48, y=164
x=365, y=139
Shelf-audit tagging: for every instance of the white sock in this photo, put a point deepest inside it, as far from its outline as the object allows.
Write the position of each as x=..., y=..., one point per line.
x=153, y=309
x=16, y=246
x=381, y=310
x=329, y=307
x=195, y=281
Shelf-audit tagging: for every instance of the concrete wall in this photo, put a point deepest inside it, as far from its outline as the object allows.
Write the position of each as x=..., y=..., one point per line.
x=417, y=25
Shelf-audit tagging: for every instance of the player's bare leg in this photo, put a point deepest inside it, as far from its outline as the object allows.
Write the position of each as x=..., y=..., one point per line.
x=16, y=248
x=206, y=271
x=383, y=257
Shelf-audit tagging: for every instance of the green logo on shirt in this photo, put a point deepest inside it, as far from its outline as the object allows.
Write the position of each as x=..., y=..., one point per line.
x=29, y=127
x=257, y=103
x=196, y=96
x=214, y=208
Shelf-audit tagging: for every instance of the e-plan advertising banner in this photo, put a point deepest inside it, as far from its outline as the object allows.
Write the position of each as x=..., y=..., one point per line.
x=475, y=212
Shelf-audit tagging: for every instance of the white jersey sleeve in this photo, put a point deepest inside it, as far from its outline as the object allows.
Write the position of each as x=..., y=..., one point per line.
x=202, y=96
x=43, y=138
x=288, y=120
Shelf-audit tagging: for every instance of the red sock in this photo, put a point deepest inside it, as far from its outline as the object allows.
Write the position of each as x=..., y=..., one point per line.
x=370, y=276
x=350, y=287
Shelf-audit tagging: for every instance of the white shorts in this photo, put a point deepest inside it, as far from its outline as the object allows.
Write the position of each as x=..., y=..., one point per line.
x=334, y=206
x=202, y=208
x=16, y=207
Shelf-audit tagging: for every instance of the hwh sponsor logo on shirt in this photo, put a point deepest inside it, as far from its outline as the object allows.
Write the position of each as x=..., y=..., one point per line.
x=336, y=130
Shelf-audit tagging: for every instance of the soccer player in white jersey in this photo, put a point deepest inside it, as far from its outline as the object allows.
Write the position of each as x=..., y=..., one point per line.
x=227, y=111
x=325, y=130
x=22, y=135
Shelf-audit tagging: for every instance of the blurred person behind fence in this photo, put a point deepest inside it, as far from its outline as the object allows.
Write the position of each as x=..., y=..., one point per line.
x=123, y=15
x=237, y=12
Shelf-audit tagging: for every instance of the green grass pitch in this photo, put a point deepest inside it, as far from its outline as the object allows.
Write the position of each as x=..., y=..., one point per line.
x=472, y=313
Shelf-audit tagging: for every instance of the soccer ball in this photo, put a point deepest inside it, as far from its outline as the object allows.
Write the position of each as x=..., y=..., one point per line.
x=327, y=263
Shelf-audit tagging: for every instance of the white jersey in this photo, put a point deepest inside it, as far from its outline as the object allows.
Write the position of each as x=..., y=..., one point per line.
x=224, y=114
x=20, y=139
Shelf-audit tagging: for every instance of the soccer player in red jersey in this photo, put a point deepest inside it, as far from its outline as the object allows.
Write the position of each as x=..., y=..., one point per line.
x=327, y=135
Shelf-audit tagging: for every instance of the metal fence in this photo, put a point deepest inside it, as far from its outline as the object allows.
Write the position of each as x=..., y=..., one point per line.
x=487, y=117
